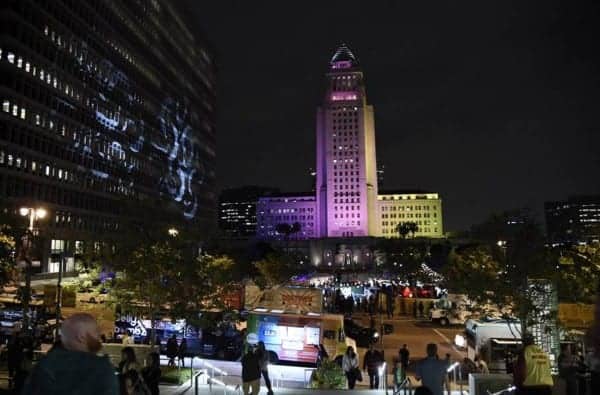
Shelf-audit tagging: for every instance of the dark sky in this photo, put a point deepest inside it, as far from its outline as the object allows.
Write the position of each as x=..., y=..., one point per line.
x=494, y=105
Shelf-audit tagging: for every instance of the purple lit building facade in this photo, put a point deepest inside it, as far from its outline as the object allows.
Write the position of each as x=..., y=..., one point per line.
x=346, y=161
x=346, y=203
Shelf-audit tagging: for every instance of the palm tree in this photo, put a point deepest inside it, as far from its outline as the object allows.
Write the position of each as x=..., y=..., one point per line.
x=287, y=230
x=412, y=228
x=403, y=229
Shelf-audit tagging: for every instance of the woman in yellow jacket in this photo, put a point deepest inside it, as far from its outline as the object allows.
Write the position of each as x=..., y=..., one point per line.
x=533, y=373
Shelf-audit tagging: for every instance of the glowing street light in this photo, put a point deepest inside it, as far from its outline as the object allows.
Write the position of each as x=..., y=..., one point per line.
x=33, y=213
x=173, y=232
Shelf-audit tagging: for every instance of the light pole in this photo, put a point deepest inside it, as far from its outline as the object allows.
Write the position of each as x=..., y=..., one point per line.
x=33, y=213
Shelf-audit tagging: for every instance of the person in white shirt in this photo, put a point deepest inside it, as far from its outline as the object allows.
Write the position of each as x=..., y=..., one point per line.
x=350, y=366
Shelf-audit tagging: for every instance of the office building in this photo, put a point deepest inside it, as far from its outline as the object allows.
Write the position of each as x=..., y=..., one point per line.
x=108, y=115
x=237, y=210
x=422, y=208
x=574, y=220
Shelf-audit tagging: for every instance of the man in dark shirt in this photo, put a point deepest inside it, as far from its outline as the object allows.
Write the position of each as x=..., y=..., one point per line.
x=432, y=371
x=251, y=372
x=371, y=363
x=404, y=357
x=74, y=368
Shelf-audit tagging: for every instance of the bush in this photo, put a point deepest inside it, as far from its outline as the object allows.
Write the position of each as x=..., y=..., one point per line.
x=172, y=375
x=328, y=376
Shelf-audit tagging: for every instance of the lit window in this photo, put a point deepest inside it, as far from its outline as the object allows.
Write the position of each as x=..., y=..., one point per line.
x=27, y=67
x=47, y=170
x=20, y=62
x=37, y=119
x=15, y=110
x=11, y=57
x=6, y=106
x=46, y=30
x=23, y=113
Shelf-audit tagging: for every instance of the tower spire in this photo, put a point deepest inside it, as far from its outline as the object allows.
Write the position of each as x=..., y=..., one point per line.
x=343, y=57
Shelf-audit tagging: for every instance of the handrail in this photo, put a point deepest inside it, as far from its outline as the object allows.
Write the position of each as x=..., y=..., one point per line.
x=406, y=383
x=382, y=372
x=507, y=389
x=211, y=379
x=453, y=368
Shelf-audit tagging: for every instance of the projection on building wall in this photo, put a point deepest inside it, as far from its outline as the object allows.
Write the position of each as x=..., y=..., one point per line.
x=174, y=143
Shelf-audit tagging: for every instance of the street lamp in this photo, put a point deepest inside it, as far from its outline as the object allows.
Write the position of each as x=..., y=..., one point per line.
x=173, y=232
x=33, y=213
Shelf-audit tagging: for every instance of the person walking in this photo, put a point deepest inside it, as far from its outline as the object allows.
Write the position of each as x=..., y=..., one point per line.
x=592, y=361
x=182, y=352
x=404, y=355
x=128, y=363
x=322, y=354
x=251, y=372
x=350, y=367
x=567, y=369
x=532, y=374
x=14, y=356
x=172, y=349
x=151, y=373
x=263, y=361
x=74, y=368
x=432, y=371
x=371, y=363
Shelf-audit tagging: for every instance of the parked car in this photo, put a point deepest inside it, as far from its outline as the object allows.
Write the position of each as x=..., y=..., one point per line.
x=363, y=336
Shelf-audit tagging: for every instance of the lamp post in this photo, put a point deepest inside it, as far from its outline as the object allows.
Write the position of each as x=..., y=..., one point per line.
x=33, y=213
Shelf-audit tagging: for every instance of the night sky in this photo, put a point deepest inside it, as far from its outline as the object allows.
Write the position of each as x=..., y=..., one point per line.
x=495, y=105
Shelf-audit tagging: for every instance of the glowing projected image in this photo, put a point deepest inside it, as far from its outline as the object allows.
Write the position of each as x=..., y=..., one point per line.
x=174, y=141
x=177, y=142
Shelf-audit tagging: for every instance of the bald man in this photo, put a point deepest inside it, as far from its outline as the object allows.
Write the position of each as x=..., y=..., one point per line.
x=74, y=368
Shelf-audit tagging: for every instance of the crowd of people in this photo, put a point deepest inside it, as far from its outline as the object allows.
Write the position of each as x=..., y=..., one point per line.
x=73, y=366
x=380, y=298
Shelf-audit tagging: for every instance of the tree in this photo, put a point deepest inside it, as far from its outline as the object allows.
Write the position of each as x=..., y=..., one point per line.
x=287, y=230
x=8, y=270
x=402, y=229
x=165, y=276
x=578, y=272
x=406, y=228
x=497, y=269
x=275, y=269
x=412, y=228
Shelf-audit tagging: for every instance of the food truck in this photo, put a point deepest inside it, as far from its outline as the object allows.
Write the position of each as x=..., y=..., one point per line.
x=291, y=322
x=493, y=340
x=295, y=338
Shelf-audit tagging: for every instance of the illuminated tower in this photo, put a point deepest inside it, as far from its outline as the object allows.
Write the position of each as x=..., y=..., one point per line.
x=346, y=165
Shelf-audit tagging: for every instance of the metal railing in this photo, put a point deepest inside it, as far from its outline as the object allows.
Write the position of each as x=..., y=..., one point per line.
x=212, y=380
x=382, y=372
x=455, y=370
x=403, y=387
x=504, y=391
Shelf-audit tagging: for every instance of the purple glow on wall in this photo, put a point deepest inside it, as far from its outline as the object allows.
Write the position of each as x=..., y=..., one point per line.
x=340, y=96
x=342, y=64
